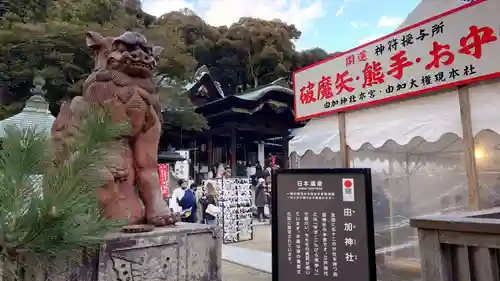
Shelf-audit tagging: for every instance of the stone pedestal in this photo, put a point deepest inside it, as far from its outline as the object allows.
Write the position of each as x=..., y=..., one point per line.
x=183, y=252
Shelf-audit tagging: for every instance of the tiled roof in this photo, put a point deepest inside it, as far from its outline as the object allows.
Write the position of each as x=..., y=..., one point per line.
x=260, y=92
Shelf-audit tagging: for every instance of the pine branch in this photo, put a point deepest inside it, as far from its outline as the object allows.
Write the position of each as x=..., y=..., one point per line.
x=63, y=217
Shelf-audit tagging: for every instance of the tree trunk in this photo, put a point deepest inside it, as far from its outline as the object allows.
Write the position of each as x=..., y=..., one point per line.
x=250, y=65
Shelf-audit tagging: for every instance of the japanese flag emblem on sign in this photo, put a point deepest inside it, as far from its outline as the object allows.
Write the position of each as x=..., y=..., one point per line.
x=348, y=190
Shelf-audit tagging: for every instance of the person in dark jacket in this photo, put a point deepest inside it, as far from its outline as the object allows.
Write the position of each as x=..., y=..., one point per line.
x=188, y=205
x=260, y=198
x=240, y=169
x=258, y=170
x=209, y=198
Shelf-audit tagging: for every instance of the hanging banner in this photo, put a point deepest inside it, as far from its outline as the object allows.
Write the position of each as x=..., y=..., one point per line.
x=163, y=173
x=181, y=168
x=322, y=225
x=451, y=49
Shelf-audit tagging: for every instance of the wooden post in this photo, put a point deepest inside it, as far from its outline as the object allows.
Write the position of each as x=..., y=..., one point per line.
x=233, y=152
x=391, y=206
x=344, y=149
x=468, y=137
x=210, y=152
x=431, y=256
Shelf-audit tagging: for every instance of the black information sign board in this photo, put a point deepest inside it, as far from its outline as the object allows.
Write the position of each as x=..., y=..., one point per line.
x=322, y=227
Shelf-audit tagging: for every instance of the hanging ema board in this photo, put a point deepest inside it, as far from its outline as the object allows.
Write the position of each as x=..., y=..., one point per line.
x=322, y=227
x=454, y=48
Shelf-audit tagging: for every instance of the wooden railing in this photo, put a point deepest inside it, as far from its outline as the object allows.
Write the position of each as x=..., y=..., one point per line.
x=461, y=247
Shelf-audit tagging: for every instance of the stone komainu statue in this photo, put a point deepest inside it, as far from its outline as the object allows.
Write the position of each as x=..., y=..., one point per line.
x=122, y=81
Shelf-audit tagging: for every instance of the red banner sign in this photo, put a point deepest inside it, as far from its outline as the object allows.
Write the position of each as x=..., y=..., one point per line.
x=163, y=173
x=457, y=47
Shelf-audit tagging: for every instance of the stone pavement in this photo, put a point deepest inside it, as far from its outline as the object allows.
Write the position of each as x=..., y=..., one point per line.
x=249, y=258
x=254, y=254
x=261, y=239
x=234, y=272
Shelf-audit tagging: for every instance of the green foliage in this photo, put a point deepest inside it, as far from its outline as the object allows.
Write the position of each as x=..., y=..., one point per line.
x=55, y=48
x=249, y=53
x=57, y=215
x=57, y=51
x=313, y=55
x=178, y=110
x=9, y=110
x=47, y=36
x=175, y=62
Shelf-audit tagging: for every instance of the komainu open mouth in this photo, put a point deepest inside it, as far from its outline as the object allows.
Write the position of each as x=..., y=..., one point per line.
x=137, y=68
x=142, y=65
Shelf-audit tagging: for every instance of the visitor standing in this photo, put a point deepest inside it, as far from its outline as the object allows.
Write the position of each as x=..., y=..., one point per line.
x=177, y=195
x=220, y=171
x=259, y=171
x=240, y=169
x=250, y=170
x=198, y=194
x=268, y=172
x=260, y=198
x=208, y=202
x=188, y=204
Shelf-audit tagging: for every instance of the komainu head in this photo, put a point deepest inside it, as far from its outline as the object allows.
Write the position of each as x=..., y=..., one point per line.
x=129, y=53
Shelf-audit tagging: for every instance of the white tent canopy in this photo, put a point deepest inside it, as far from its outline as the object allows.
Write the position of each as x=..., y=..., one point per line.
x=35, y=114
x=415, y=150
x=421, y=126
x=417, y=127
x=484, y=100
x=429, y=118
x=317, y=135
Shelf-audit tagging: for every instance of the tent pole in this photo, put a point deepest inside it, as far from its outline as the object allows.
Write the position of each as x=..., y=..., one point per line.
x=468, y=137
x=391, y=210
x=344, y=149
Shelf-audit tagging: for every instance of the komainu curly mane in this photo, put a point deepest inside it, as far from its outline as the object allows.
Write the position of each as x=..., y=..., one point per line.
x=122, y=81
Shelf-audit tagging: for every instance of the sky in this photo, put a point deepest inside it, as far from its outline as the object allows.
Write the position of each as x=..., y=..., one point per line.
x=334, y=25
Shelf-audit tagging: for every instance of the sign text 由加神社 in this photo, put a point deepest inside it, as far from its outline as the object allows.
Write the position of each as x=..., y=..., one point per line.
x=322, y=225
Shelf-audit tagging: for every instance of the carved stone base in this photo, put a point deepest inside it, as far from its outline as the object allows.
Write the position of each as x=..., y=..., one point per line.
x=182, y=252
